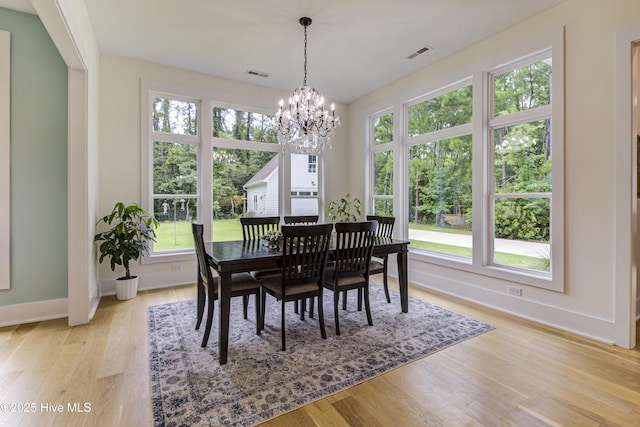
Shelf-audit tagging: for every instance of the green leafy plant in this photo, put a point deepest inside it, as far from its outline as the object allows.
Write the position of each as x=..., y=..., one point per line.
x=130, y=229
x=344, y=209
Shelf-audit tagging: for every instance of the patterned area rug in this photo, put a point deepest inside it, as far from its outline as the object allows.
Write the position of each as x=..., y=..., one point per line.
x=260, y=382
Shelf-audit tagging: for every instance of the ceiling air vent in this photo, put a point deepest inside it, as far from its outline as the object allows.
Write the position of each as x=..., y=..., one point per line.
x=419, y=52
x=258, y=74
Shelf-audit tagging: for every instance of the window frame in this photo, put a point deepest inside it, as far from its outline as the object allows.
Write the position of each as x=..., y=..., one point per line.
x=482, y=162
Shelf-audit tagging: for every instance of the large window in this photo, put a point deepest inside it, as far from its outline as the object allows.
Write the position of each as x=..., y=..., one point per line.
x=381, y=129
x=479, y=167
x=520, y=194
x=175, y=143
x=439, y=172
x=213, y=163
x=245, y=174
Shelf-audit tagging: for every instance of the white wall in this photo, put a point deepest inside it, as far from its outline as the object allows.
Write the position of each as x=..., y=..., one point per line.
x=587, y=305
x=120, y=132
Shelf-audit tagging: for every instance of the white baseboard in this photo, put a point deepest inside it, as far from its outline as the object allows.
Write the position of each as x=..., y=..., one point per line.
x=599, y=329
x=33, y=312
x=152, y=281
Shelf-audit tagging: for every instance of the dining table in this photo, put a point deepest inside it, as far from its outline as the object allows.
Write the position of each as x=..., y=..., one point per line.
x=236, y=256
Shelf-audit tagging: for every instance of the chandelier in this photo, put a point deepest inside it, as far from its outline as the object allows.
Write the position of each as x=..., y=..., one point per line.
x=305, y=124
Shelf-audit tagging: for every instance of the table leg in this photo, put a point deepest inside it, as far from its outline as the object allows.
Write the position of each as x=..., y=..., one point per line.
x=224, y=299
x=403, y=279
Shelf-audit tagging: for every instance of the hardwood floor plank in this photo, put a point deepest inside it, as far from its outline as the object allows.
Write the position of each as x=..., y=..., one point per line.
x=520, y=374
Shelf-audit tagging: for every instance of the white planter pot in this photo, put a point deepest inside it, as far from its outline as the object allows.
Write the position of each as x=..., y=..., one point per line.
x=127, y=288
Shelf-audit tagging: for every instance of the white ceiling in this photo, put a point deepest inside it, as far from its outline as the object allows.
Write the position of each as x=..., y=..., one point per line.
x=354, y=46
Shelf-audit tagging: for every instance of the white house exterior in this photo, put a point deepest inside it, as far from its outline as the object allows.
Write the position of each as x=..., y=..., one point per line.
x=262, y=189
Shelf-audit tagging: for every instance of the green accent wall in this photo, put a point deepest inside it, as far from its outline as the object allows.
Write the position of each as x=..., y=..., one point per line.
x=38, y=163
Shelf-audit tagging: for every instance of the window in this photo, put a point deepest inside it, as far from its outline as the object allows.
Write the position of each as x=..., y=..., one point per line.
x=382, y=160
x=212, y=163
x=440, y=172
x=175, y=144
x=520, y=194
x=474, y=174
x=245, y=174
x=313, y=163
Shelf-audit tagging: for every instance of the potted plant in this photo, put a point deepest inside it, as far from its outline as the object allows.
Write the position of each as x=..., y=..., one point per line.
x=344, y=209
x=129, y=231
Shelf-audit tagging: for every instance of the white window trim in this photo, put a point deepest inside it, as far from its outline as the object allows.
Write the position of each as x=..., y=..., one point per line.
x=5, y=160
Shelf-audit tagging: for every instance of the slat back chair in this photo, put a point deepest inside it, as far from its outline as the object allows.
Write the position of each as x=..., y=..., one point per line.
x=352, y=256
x=304, y=257
x=243, y=284
x=255, y=227
x=380, y=265
x=301, y=219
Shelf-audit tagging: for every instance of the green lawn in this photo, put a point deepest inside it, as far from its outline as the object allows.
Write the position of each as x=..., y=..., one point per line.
x=173, y=236
x=177, y=235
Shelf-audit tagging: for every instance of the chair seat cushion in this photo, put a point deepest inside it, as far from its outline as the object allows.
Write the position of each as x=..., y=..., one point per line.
x=376, y=267
x=272, y=283
x=261, y=274
x=240, y=282
x=351, y=279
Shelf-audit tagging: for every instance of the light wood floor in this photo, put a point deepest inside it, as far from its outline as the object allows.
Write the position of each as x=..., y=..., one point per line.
x=520, y=374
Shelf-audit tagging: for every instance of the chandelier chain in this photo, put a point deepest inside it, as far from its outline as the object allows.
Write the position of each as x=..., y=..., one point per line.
x=304, y=82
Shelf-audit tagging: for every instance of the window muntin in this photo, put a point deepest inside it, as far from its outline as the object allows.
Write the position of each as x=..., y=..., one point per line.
x=441, y=112
x=240, y=125
x=440, y=196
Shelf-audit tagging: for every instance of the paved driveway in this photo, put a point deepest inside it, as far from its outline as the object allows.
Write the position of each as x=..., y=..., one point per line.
x=518, y=247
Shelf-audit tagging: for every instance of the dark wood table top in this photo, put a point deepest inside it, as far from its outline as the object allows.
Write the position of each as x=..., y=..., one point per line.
x=236, y=255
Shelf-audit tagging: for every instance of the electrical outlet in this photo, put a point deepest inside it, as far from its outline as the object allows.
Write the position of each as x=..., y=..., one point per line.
x=176, y=267
x=515, y=291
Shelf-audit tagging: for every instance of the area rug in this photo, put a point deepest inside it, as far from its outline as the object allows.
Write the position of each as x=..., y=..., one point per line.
x=260, y=382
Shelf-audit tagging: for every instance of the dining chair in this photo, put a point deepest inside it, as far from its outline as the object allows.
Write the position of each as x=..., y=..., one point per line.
x=301, y=219
x=257, y=226
x=304, y=256
x=380, y=264
x=352, y=257
x=243, y=284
